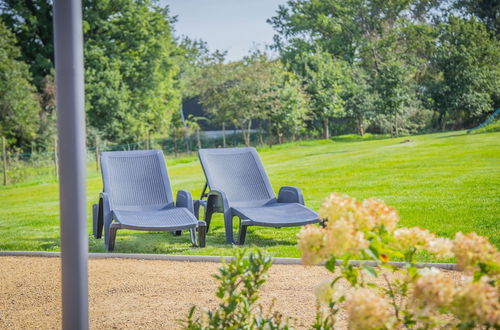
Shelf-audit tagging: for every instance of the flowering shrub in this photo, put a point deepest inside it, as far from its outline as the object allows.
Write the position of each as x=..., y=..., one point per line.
x=411, y=297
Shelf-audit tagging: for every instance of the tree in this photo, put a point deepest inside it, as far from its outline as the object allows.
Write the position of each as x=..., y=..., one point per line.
x=487, y=11
x=212, y=90
x=18, y=103
x=31, y=22
x=130, y=67
x=341, y=28
x=129, y=62
x=359, y=98
x=284, y=105
x=467, y=72
x=323, y=82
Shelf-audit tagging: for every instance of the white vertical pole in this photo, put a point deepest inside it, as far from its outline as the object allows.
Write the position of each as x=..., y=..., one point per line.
x=68, y=44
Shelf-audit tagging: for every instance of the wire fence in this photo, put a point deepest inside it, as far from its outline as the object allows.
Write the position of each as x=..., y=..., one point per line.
x=18, y=167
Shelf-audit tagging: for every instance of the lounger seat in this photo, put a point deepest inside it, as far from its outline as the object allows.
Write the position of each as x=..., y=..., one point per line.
x=277, y=215
x=172, y=219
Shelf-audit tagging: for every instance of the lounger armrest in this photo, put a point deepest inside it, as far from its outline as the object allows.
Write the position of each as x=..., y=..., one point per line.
x=288, y=194
x=106, y=208
x=184, y=199
x=218, y=199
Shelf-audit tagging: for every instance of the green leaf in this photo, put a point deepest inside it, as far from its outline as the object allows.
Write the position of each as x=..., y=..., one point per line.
x=370, y=270
x=330, y=264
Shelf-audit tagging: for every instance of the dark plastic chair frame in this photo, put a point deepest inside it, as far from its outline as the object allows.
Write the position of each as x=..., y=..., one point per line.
x=218, y=202
x=104, y=213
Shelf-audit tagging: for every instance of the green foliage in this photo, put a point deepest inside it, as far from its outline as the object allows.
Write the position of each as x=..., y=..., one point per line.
x=359, y=98
x=31, y=22
x=130, y=68
x=18, y=103
x=284, y=104
x=239, y=283
x=466, y=71
x=391, y=50
x=485, y=10
x=253, y=89
x=323, y=81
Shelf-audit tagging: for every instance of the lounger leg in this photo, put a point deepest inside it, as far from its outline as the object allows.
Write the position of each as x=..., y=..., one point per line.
x=196, y=207
x=97, y=218
x=202, y=233
x=95, y=215
x=242, y=234
x=112, y=236
x=208, y=213
x=228, y=222
x=192, y=233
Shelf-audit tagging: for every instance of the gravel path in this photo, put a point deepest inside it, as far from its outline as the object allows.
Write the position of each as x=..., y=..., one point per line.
x=140, y=294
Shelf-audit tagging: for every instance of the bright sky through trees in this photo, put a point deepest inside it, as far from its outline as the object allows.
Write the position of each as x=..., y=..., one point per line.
x=233, y=25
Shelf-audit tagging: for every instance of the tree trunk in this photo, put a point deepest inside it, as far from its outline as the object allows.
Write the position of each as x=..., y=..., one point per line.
x=223, y=135
x=361, y=129
x=261, y=139
x=249, y=127
x=442, y=121
x=326, y=129
x=270, y=137
x=188, y=145
x=175, y=148
x=198, y=138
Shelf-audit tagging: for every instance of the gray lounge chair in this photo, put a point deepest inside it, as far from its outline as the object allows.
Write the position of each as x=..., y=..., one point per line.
x=137, y=195
x=240, y=187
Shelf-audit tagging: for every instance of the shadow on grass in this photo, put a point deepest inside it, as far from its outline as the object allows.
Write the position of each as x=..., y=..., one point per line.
x=166, y=243
x=358, y=138
x=44, y=244
x=325, y=153
x=451, y=135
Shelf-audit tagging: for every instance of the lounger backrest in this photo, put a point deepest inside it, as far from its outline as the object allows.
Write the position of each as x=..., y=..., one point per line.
x=238, y=172
x=136, y=180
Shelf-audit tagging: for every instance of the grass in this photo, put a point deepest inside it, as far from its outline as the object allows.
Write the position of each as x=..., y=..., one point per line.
x=446, y=182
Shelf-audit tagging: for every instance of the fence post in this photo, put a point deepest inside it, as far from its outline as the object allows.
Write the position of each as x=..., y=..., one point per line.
x=4, y=160
x=55, y=157
x=97, y=153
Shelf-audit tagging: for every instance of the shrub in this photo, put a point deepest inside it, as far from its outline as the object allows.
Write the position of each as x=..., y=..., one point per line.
x=239, y=283
x=411, y=297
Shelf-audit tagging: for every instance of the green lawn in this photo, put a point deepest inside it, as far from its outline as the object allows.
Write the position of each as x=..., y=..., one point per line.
x=446, y=182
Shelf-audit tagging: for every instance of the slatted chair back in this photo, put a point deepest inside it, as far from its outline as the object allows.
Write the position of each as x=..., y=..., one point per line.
x=238, y=172
x=136, y=180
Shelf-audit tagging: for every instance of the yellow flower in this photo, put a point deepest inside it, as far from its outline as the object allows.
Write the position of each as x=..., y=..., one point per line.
x=312, y=244
x=367, y=310
x=342, y=207
x=412, y=237
x=325, y=293
x=433, y=289
x=472, y=249
x=441, y=247
x=381, y=214
x=343, y=238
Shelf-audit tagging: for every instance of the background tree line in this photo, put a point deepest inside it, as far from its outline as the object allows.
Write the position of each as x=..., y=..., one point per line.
x=352, y=66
